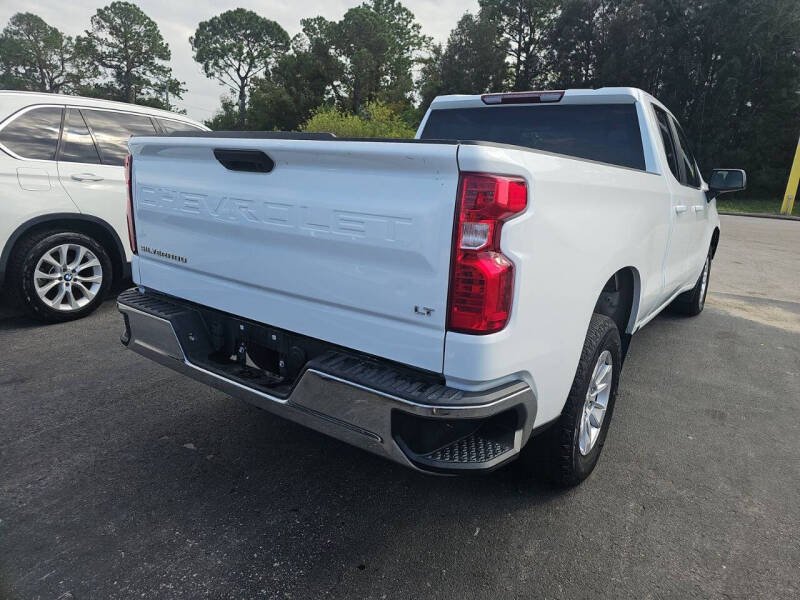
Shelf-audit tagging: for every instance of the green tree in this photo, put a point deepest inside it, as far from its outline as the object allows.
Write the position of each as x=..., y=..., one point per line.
x=125, y=45
x=472, y=62
x=35, y=56
x=236, y=46
x=369, y=54
x=377, y=120
x=430, y=77
x=728, y=69
x=227, y=116
x=524, y=27
x=574, y=44
x=286, y=96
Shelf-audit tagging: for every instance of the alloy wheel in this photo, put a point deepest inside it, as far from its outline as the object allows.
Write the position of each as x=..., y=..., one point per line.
x=594, y=408
x=68, y=277
x=704, y=280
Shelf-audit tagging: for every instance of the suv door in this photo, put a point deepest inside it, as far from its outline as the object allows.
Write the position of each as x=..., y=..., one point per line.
x=28, y=172
x=30, y=142
x=90, y=161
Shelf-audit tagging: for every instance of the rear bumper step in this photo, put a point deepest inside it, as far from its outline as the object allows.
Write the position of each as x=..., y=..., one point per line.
x=370, y=403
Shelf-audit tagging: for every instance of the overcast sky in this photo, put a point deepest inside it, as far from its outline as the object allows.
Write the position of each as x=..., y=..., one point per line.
x=178, y=21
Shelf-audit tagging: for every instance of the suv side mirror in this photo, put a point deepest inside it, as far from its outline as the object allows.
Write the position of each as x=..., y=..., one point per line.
x=724, y=181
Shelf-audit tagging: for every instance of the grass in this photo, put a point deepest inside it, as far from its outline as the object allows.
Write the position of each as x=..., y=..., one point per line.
x=743, y=204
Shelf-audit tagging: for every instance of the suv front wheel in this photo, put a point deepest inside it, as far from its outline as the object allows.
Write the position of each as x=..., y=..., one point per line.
x=60, y=276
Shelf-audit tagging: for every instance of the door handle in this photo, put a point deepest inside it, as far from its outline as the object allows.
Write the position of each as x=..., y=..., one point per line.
x=699, y=207
x=680, y=208
x=86, y=177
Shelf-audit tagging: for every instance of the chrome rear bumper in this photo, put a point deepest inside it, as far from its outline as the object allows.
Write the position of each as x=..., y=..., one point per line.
x=335, y=402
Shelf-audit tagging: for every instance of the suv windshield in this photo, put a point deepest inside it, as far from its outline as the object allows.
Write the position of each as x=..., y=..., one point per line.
x=604, y=132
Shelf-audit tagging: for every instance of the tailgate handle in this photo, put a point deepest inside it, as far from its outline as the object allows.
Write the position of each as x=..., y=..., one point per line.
x=251, y=161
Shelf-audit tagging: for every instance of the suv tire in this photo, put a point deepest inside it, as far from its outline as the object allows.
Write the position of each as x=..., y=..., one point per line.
x=59, y=276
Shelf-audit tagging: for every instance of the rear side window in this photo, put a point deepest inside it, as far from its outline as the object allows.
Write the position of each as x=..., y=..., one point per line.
x=111, y=131
x=669, y=143
x=604, y=132
x=691, y=175
x=170, y=126
x=76, y=141
x=34, y=134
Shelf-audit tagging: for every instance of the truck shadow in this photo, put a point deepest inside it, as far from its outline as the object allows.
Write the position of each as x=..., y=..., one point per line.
x=231, y=480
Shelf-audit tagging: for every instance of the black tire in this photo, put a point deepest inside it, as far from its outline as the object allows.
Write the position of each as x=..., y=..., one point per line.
x=555, y=454
x=23, y=264
x=691, y=303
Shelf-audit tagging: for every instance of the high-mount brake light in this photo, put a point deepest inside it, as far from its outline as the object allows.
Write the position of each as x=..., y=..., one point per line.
x=481, y=277
x=129, y=187
x=523, y=97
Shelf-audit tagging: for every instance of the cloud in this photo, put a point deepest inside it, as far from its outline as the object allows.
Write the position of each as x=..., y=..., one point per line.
x=177, y=21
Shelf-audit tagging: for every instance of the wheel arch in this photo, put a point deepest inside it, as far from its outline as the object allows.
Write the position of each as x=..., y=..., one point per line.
x=619, y=300
x=714, y=241
x=90, y=225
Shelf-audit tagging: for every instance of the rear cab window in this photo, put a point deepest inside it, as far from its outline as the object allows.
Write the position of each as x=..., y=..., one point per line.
x=34, y=133
x=606, y=133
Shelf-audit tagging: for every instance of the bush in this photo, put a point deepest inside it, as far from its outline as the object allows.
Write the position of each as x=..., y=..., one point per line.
x=376, y=121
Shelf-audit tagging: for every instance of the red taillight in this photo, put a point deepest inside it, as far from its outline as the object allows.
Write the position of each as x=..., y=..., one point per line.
x=129, y=187
x=482, y=278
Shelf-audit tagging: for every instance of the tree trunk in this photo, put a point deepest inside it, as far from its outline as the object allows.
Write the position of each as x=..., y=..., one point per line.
x=128, y=88
x=242, y=103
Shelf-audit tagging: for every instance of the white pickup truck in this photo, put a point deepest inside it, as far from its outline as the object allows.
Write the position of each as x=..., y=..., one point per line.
x=446, y=302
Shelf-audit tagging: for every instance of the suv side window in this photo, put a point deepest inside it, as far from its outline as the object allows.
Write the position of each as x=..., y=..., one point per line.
x=111, y=131
x=669, y=143
x=34, y=134
x=170, y=126
x=77, y=144
x=691, y=175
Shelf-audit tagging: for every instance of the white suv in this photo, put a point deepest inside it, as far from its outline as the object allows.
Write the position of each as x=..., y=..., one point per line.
x=63, y=198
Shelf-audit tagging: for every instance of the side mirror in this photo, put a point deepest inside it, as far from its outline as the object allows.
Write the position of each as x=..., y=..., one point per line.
x=724, y=181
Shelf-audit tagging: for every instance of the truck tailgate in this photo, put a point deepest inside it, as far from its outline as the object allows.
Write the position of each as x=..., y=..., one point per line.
x=345, y=241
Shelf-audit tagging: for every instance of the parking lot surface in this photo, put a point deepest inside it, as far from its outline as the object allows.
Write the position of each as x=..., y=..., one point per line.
x=120, y=478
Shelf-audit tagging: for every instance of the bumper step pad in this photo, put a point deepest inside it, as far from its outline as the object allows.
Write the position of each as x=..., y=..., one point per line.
x=482, y=450
x=472, y=449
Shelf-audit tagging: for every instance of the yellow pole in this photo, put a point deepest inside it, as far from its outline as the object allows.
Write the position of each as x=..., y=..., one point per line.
x=791, y=185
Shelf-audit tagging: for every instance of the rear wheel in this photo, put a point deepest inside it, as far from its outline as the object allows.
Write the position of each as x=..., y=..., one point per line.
x=691, y=303
x=60, y=276
x=568, y=451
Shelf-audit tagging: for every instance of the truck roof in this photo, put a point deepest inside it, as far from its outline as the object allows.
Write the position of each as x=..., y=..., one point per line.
x=605, y=95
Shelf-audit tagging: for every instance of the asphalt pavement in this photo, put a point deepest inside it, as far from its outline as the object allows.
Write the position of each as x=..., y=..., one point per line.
x=122, y=479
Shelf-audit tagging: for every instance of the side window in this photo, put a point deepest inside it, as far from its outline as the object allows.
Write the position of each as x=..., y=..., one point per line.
x=77, y=144
x=170, y=126
x=111, y=131
x=34, y=134
x=686, y=158
x=666, y=138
